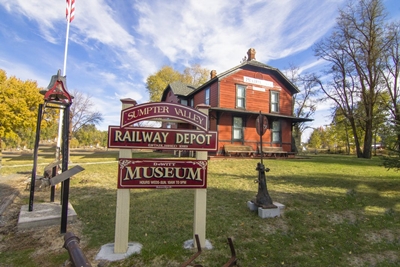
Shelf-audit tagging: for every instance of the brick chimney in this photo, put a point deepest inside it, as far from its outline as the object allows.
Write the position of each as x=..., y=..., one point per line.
x=213, y=74
x=251, y=54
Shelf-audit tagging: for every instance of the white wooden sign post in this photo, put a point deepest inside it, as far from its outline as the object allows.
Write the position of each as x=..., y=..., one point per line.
x=123, y=203
x=200, y=202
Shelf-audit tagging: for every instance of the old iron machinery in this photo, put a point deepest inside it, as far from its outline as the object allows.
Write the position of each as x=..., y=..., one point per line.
x=263, y=198
x=55, y=96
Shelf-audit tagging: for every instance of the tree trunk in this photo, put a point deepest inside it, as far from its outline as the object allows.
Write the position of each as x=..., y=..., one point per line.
x=296, y=139
x=356, y=141
x=367, y=154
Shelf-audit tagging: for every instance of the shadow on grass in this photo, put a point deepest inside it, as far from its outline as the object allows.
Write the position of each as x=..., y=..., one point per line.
x=161, y=220
x=321, y=189
x=346, y=160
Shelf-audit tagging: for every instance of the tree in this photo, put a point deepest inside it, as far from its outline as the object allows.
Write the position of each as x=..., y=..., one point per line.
x=392, y=160
x=315, y=139
x=49, y=128
x=82, y=113
x=342, y=128
x=305, y=102
x=391, y=75
x=195, y=75
x=355, y=52
x=156, y=83
x=18, y=110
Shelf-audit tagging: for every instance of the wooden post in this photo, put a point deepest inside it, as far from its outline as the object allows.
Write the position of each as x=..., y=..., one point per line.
x=123, y=202
x=200, y=199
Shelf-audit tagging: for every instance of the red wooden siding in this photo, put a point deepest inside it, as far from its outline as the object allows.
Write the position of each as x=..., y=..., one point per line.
x=214, y=94
x=171, y=97
x=251, y=138
x=255, y=100
x=199, y=98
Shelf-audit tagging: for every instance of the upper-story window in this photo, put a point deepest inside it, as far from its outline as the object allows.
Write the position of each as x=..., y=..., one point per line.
x=240, y=96
x=207, y=96
x=274, y=101
x=184, y=102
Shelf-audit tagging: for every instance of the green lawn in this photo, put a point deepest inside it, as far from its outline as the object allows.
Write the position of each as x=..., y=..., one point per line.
x=339, y=211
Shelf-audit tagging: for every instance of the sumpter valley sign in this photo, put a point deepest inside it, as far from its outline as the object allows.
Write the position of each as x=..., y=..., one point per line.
x=154, y=111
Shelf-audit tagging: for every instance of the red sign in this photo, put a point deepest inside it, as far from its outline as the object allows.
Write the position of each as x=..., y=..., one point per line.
x=162, y=173
x=161, y=138
x=261, y=124
x=151, y=111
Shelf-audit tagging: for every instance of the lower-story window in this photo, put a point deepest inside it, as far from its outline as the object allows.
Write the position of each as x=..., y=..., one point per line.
x=276, y=131
x=237, y=129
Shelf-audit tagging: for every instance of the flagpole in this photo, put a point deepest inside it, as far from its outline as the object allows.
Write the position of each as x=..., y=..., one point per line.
x=60, y=120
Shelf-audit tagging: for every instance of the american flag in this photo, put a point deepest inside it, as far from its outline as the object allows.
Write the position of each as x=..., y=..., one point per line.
x=70, y=7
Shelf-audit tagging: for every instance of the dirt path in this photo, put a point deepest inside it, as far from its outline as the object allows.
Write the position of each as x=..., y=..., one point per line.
x=44, y=240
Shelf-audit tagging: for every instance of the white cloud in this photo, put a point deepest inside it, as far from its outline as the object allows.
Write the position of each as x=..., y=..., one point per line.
x=43, y=12
x=215, y=34
x=112, y=51
x=219, y=36
x=310, y=66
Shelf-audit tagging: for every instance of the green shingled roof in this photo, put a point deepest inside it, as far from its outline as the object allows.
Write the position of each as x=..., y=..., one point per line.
x=180, y=88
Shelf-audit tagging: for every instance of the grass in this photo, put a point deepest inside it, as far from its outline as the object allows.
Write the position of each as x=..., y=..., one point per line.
x=339, y=211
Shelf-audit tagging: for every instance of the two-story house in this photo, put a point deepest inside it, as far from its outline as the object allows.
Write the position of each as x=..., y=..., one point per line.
x=236, y=98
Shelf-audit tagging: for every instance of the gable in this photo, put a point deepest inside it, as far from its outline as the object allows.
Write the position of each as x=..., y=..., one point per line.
x=178, y=89
x=254, y=66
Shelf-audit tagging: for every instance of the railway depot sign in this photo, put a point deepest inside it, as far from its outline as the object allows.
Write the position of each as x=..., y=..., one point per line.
x=147, y=173
x=157, y=138
x=161, y=173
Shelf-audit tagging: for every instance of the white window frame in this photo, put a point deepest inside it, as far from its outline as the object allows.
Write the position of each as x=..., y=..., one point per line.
x=237, y=130
x=276, y=132
x=240, y=99
x=207, y=96
x=274, y=102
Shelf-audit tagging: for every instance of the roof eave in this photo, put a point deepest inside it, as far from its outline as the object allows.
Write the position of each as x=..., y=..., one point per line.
x=294, y=119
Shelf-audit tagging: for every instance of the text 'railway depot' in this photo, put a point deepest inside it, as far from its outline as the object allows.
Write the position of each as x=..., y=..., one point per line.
x=161, y=138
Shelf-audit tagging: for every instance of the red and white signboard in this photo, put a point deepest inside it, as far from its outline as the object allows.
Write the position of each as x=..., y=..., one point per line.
x=161, y=138
x=163, y=110
x=162, y=173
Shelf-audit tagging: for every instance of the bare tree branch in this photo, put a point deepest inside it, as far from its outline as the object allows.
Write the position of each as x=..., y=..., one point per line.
x=82, y=112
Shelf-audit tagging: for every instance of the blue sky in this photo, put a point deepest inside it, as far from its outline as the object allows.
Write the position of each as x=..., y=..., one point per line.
x=114, y=45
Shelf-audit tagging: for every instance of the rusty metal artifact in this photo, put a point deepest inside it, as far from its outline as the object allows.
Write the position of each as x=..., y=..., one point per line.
x=263, y=199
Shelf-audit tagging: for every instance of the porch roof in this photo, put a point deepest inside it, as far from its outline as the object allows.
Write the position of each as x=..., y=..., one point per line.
x=269, y=115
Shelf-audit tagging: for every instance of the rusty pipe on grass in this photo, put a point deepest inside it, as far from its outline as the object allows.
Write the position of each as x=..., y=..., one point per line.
x=71, y=243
